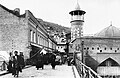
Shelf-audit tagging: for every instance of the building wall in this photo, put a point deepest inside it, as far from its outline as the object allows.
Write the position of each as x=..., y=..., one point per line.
x=13, y=33
x=17, y=32
x=97, y=50
x=61, y=48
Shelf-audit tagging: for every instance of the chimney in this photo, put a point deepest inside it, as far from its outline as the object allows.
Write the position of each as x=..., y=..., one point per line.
x=17, y=11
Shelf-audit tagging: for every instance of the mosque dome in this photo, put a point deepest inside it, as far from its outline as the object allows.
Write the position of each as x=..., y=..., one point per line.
x=109, y=32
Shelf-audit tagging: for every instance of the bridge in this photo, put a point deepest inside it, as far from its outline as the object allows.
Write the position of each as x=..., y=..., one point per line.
x=79, y=70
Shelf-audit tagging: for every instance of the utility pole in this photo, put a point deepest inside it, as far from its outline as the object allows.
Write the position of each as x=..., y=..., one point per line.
x=82, y=46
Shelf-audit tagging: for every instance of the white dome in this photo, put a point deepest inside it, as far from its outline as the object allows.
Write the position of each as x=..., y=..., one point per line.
x=109, y=32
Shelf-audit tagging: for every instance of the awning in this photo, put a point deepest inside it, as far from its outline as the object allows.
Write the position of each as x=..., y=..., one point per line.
x=43, y=51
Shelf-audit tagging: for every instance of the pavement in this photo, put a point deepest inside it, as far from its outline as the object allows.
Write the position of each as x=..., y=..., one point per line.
x=61, y=71
x=6, y=72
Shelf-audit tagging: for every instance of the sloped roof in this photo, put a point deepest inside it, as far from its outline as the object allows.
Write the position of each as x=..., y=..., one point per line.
x=109, y=32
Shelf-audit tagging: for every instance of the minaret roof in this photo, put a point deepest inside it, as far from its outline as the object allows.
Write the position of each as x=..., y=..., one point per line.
x=77, y=9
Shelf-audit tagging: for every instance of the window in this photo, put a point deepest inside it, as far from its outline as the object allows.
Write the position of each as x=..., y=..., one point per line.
x=100, y=50
x=38, y=39
x=110, y=48
x=84, y=48
x=92, y=48
x=34, y=37
x=31, y=35
x=87, y=48
x=105, y=48
x=117, y=48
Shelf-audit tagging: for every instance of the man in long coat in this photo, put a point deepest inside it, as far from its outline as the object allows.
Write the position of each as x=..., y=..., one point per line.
x=16, y=64
x=53, y=63
x=40, y=61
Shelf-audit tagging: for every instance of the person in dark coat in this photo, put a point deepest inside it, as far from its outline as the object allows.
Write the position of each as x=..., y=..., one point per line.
x=22, y=63
x=53, y=63
x=40, y=61
x=9, y=67
x=15, y=70
x=16, y=64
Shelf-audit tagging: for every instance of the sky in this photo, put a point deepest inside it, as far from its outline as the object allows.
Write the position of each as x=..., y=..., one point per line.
x=99, y=13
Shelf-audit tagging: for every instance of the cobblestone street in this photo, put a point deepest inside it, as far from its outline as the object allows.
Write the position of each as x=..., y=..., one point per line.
x=61, y=71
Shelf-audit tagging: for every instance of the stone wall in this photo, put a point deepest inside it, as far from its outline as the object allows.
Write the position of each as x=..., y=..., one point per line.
x=98, y=50
x=13, y=33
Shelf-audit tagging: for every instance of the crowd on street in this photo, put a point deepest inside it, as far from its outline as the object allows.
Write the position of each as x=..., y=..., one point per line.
x=16, y=62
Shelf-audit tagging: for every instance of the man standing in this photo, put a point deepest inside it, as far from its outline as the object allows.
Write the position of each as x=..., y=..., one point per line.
x=22, y=63
x=18, y=58
x=40, y=61
x=53, y=63
x=10, y=62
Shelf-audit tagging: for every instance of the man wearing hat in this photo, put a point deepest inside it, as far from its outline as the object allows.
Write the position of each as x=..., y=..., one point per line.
x=16, y=63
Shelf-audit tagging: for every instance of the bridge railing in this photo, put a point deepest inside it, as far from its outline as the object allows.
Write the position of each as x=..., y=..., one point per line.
x=85, y=71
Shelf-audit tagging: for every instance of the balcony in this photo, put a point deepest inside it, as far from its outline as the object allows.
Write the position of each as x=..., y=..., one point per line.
x=111, y=70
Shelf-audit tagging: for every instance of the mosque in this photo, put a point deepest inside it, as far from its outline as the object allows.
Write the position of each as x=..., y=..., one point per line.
x=101, y=51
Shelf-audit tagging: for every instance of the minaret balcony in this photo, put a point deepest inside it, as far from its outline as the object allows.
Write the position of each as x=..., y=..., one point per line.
x=77, y=17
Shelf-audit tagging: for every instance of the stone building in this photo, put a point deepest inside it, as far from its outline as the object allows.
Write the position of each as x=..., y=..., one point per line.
x=61, y=42
x=101, y=51
x=22, y=33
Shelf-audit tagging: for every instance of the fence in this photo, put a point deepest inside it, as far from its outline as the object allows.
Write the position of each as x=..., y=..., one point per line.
x=85, y=71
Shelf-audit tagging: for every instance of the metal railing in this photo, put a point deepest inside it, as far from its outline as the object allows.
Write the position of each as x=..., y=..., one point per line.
x=85, y=71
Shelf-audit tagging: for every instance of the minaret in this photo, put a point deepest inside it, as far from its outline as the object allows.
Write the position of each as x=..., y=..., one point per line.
x=77, y=20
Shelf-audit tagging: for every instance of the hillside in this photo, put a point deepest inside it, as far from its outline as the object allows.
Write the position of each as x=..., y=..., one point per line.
x=53, y=28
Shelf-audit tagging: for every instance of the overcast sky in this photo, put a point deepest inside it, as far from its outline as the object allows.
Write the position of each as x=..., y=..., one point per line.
x=99, y=13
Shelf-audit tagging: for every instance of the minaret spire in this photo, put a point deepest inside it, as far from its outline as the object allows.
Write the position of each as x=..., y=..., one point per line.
x=111, y=23
x=77, y=6
x=77, y=1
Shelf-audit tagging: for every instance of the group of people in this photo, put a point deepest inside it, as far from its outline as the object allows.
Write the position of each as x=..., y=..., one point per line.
x=41, y=61
x=16, y=63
